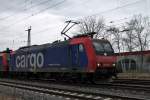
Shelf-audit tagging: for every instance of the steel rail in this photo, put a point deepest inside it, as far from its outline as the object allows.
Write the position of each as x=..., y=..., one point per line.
x=64, y=92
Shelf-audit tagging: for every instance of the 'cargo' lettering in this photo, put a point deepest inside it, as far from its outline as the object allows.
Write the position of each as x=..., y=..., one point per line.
x=40, y=60
x=17, y=60
x=31, y=60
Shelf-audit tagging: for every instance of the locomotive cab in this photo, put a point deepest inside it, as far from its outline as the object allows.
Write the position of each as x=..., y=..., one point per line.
x=100, y=59
x=105, y=58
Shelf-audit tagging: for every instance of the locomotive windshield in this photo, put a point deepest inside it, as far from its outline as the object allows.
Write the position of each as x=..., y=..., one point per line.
x=102, y=47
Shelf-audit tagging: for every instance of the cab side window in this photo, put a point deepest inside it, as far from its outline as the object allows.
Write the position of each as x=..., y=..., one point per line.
x=81, y=48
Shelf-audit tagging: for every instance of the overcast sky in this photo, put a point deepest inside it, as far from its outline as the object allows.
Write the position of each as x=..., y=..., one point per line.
x=47, y=17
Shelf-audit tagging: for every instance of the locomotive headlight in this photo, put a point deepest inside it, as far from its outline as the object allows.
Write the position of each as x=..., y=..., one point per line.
x=98, y=65
x=114, y=65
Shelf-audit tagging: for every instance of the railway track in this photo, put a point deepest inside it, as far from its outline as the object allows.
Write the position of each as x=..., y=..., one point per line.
x=51, y=90
x=136, y=85
x=74, y=92
x=132, y=81
x=131, y=87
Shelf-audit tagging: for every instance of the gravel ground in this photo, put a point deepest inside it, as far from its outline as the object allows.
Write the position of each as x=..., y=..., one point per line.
x=6, y=97
x=19, y=94
x=145, y=76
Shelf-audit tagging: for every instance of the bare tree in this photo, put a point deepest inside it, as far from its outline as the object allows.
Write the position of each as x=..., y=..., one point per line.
x=92, y=24
x=116, y=37
x=138, y=34
x=129, y=36
x=133, y=36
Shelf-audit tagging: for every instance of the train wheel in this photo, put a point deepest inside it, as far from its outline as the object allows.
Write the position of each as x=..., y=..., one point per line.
x=90, y=77
x=98, y=79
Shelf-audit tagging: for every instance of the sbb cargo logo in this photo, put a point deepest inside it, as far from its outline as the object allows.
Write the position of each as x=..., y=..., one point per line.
x=30, y=60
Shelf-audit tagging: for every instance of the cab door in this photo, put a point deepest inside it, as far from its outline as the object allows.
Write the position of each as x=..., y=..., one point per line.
x=78, y=56
x=74, y=55
x=83, y=60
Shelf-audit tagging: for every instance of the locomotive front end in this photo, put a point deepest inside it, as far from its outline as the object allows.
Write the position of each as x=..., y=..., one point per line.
x=105, y=58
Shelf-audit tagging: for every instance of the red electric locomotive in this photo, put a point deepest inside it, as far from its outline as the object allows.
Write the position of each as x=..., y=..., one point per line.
x=80, y=57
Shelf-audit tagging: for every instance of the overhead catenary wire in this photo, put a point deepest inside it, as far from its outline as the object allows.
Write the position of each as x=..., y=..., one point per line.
x=107, y=11
x=29, y=8
x=9, y=8
x=43, y=30
x=36, y=13
x=34, y=5
x=119, y=7
x=110, y=10
x=58, y=3
x=123, y=6
x=87, y=16
x=18, y=21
